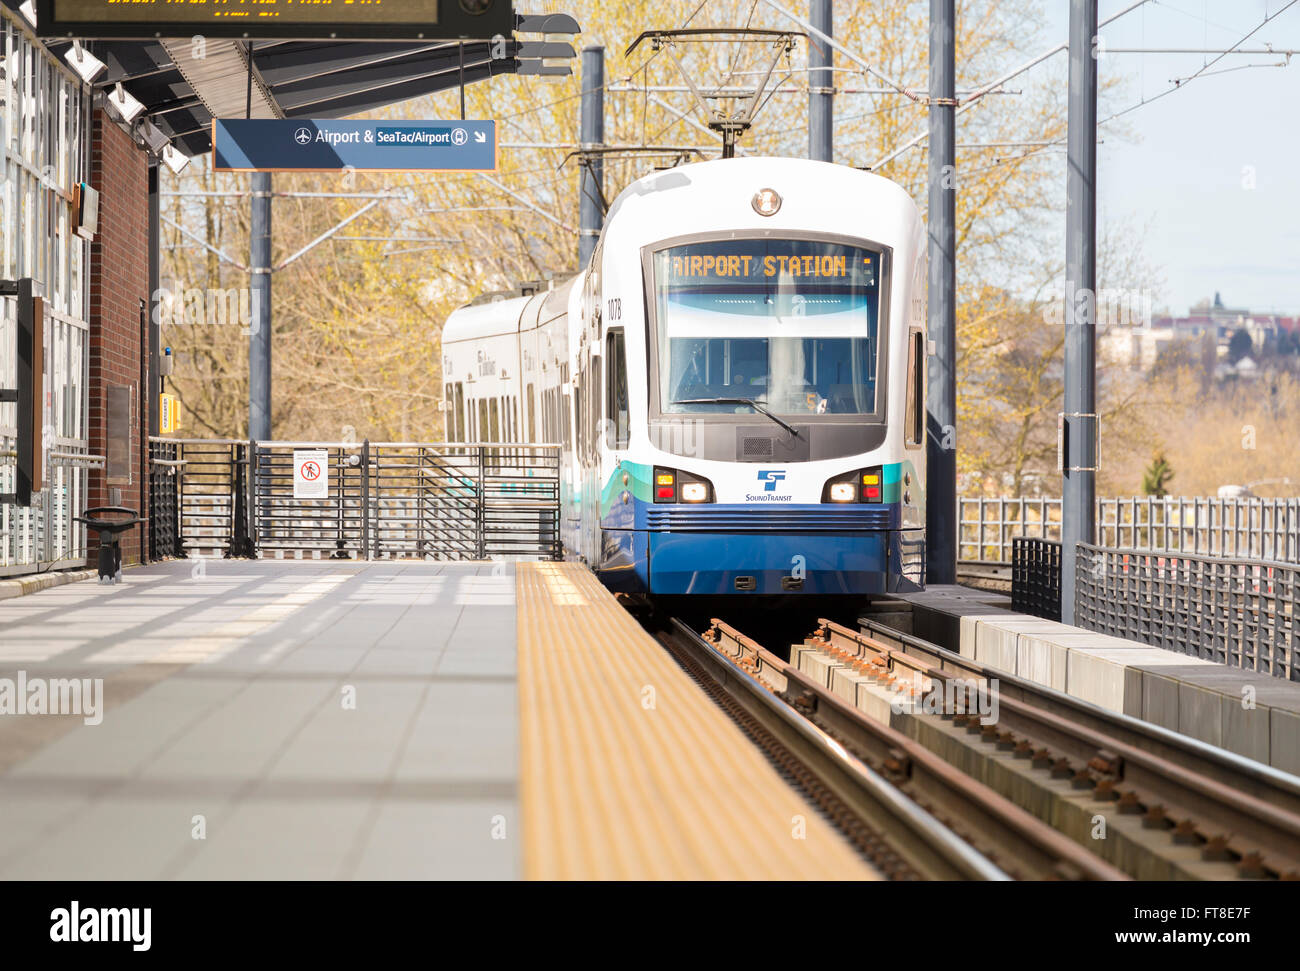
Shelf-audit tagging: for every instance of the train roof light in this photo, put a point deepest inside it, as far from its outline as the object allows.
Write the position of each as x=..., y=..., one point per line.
x=766, y=202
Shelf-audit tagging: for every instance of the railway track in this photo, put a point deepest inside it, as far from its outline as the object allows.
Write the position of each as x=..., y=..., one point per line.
x=910, y=813
x=1174, y=807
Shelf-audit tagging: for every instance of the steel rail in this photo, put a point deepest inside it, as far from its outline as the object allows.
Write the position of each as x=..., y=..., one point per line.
x=1020, y=842
x=927, y=846
x=1234, y=808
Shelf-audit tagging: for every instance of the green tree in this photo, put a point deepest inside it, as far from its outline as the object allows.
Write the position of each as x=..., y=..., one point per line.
x=1157, y=476
x=1240, y=346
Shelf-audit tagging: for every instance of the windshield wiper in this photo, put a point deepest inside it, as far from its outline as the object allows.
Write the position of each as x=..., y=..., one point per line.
x=739, y=401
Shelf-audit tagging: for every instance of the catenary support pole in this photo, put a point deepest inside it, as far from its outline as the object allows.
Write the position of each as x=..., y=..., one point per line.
x=821, y=85
x=153, y=350
x=591, y=215
x=259, y=340
x=941, y=386
x=1079, y=462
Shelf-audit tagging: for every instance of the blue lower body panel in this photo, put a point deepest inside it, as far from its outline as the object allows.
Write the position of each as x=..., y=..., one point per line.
x=708, y=564
x=624, y=560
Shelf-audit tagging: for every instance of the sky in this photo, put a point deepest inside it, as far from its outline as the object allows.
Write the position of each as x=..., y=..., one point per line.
x=1211, y=172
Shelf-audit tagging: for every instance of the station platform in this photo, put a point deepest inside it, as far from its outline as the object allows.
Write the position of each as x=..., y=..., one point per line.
x=332, y=719
x=1250, y=713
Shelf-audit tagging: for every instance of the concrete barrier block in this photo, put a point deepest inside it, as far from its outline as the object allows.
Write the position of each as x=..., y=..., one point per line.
x=1284, y=740
x=1096, y=677
x=1042, y=659
x=1160, y=690
x=969, y=625
x=996, y=647
x=1110, y=677
x=1200, y=712
x=997, y=640
x=1246, y=731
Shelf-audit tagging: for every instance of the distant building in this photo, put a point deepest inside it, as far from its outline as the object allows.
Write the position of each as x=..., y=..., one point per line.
x=1140, y=347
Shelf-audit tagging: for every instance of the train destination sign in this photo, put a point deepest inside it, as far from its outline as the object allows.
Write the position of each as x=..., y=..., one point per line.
x=306, y=145
x=299, y=19
x=736, y=262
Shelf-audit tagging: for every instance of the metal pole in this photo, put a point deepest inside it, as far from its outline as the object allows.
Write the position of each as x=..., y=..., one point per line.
x=1078, y=484
x=591, y=212
x=259, y=341
x=153, y=349
x=821, y=85
x=941, y=398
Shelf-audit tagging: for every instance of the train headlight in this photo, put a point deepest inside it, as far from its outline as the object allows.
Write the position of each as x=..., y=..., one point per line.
x=842, y=492
x=694, y=492
x=673, y=486
x=863, y=485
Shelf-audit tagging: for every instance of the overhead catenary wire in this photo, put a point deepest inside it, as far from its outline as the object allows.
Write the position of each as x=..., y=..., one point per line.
x=1180, y=83
x=973, y=99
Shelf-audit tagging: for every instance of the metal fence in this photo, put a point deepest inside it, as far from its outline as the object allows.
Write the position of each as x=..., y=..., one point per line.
x=1036, y=577
x=1255, y=528
x=442, y=501
x=987, y=527
x=46, y=535
x=1232, y=611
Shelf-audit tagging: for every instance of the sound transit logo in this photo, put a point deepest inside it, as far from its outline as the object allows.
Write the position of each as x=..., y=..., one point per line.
x=769, y=478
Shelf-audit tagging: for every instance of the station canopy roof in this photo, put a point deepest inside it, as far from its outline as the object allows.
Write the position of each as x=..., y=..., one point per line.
x=183, y=92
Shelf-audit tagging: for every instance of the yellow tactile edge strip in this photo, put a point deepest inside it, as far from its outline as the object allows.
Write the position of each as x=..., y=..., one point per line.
x=629, y=771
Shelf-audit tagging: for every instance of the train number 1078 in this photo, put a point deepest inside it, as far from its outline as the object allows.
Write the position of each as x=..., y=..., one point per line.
x=615, y=309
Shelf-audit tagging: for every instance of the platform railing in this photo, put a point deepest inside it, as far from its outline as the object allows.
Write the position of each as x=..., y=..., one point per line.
x=1036, y=577
x=1237, y=612
x=429, y=500
x=1249, y=528
x=46, y=534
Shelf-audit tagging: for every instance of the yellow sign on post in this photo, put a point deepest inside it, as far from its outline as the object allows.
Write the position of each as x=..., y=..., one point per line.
x=169, y=414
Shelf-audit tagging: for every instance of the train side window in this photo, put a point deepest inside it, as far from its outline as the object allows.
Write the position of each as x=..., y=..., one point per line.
x=482, y=420
x=916, y=390
x=580, y=414
x=616, y=387
x=494, y=421
x=531, y=405
x=460, y=411
x=593, y=443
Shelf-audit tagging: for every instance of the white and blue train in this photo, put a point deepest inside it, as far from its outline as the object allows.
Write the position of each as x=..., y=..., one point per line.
x=737, y=380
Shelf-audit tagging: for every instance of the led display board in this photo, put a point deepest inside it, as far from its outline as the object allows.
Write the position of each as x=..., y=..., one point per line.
x=298, y=19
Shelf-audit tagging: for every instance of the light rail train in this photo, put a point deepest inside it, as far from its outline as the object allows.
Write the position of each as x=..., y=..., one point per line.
x=737, y=380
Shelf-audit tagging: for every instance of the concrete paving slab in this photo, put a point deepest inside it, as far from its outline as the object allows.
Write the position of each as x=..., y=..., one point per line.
x=326, y=719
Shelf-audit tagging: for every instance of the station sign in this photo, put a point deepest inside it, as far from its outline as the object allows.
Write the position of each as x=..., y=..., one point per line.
x=297, y=19
x=311, y=473
x=306, y=145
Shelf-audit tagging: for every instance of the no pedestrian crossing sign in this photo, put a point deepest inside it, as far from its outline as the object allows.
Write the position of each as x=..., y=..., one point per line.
x=307, y=145
x=311, y=473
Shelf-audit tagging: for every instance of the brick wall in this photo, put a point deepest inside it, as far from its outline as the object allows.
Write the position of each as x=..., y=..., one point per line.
x=119, y=280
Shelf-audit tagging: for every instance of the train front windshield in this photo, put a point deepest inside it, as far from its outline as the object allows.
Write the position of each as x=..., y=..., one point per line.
x=790, y=325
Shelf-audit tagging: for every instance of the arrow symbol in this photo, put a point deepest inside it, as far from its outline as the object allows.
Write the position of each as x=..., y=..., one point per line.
x=480, y=137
